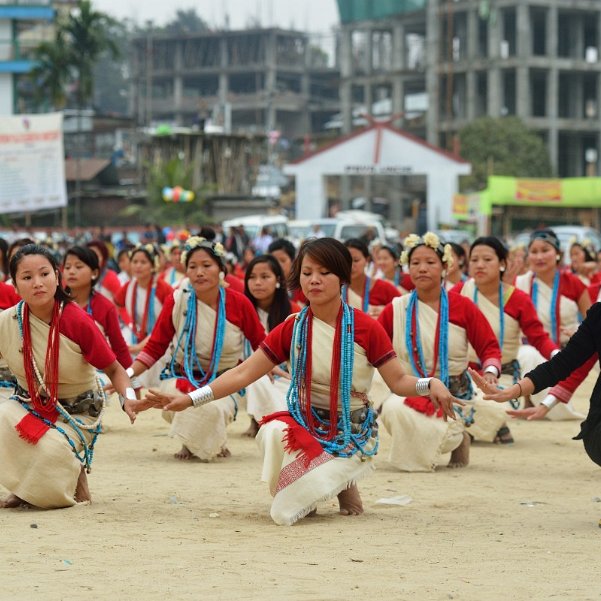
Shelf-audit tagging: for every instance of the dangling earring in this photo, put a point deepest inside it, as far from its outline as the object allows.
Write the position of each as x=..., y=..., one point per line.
x=444, y=273
x=277, y=285
x=221, y=276
x=502, y=269
x=557, y=257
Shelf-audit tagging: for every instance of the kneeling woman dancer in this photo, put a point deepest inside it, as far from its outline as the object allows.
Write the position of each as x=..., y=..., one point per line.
x=326, y=440
x=53, y=348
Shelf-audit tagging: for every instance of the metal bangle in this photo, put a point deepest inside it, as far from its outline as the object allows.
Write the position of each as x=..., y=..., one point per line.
x=494, y=370
x=422, y=387
x=130, y=372
x=201, y=396
x=549, y=401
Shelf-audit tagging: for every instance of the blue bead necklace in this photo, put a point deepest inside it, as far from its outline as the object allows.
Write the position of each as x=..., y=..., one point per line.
x=554, y=304
x=413, y=341
x=187, y=342
x=345, y=443
x=366, y=292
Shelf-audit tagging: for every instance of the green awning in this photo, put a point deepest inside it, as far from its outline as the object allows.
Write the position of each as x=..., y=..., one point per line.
x=570, y=192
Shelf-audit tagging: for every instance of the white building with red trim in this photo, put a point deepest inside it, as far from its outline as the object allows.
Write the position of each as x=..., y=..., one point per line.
x=379, y=149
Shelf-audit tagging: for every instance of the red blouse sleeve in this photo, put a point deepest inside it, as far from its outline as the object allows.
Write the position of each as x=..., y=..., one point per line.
x=110, y=322
x=382, y=293
x=78, y=326
x=386, y=319
x=521, y=308
x=164, y=290
x=241, y=312
x=373, y=338
x=111, y=282
x=120, y=295
x=572, y=286
x=276, y=344
x=161, y=335
x=479, y=333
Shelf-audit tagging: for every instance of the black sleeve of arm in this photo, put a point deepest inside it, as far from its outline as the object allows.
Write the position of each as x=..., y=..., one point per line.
x=578, y=350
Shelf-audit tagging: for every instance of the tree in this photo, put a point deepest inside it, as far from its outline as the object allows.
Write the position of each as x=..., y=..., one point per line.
x=89, y=34
x=51, y=74
x=502, y=147
x=185, y=21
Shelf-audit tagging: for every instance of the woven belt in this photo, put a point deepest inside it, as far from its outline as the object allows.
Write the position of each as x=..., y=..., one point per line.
x=88, y=402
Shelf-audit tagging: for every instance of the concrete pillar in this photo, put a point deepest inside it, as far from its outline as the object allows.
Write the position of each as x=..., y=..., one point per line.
x=306, y=87
x=178, y=85
x=522, y=101
x=494, y=72
x=552, y=88
x=432, y=80
x=369, y=57
x=395, y=214
x=398, y=67
x=270, y=81
x=223, y=79
x=472, y=53
x=346, y=72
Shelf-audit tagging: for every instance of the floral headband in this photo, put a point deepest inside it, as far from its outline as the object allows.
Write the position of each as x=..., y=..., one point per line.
x=586, y=244
x=430, y=240
x=194, y=242
x=150, y=250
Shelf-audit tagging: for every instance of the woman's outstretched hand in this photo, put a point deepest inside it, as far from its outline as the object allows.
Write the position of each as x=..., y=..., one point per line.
x=443, y=399
x=530, y=413
x=174, y=401
x=491, y=391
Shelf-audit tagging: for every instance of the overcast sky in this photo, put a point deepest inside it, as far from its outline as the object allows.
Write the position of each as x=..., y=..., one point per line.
x=311, y=15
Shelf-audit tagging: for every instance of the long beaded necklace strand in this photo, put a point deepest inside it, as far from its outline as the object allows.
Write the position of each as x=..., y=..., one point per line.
x=501, y=312
x=148, y=317
x=554, y=304
x=413, y=341
x=335, y=435
x=441, y=347
x=366, y=292
x=187, y=342
x=87, y=454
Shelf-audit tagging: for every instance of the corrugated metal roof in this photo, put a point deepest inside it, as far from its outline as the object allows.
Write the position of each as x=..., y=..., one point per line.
x=365, y=10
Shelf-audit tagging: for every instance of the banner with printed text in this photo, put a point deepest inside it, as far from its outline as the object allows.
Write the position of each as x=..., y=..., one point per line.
x=32, y=163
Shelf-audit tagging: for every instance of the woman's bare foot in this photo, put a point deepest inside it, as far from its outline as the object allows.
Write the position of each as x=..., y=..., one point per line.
x=350, y=501
x=184, y=454
x=12, y=501
x=253, y=429
x=225, y=452
x=460, y=457
x=82, y=490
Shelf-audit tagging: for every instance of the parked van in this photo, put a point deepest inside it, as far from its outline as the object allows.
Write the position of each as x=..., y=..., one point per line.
x=253, y=224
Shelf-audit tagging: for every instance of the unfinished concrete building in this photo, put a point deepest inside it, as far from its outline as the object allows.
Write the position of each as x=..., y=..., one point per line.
x=447, y=62
x=253, y=80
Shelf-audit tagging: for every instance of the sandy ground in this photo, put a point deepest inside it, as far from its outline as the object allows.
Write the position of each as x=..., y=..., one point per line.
x=521, y=522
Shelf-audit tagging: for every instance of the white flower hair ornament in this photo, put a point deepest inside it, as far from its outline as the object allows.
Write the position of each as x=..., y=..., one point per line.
x=150, y=250
x=431, y=240
x=194, y=242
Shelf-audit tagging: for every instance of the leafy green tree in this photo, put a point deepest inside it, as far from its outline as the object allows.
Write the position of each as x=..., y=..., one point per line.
x=502, y=146
x=89, y=34
x=51, y=74
x=185, y=21
x=171, y=173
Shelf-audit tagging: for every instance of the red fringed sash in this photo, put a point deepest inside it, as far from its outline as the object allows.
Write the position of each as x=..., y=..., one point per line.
x=296, y=438
x=31, y=428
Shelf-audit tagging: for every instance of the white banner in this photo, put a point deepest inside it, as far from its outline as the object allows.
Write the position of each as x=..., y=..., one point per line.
x=32, y=163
